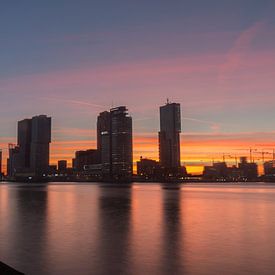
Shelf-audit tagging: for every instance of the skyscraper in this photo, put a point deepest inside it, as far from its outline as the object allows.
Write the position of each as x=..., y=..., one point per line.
x=169, y=135
x=114, y=131
x=40, y=144
x=103, y=138
x=31, y=155
x=121, y=144
x=0, y=164
x=24, y=132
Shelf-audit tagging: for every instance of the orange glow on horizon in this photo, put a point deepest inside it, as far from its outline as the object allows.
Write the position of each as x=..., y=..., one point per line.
x=196, y=150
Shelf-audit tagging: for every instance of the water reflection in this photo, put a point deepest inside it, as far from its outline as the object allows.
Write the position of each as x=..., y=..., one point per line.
x=72, y=229
x=172, y=232
x=143, y=229
x=27, y=229
x=114, y=215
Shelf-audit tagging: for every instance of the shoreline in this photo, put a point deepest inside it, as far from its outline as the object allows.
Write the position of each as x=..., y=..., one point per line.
x=6, y=269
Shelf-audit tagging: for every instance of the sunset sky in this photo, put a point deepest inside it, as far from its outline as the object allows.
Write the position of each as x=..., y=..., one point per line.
x=73, y=59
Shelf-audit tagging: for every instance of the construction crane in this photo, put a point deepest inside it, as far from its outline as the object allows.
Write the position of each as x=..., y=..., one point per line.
x=250, y=150
x=231, y=157
x=263, y=153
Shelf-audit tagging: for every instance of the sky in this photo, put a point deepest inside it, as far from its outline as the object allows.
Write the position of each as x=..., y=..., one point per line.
x=73, y=59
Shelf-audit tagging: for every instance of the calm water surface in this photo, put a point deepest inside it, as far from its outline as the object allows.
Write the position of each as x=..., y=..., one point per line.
x=142, y=229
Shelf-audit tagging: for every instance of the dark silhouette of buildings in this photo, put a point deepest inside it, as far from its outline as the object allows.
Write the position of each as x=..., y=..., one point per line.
x=84, y=158
x=219, y=171
x=1, y=173
x=169, y=141
x=52, y=169
x=114, y=131
x=269, y=171
x=40, y=144
x=248, y=170
x=104, y=143
x=169, y=135
x=269, y=168
x=121, y=144
x=24, y=139
x=62, y=166
x=30, y=158
x=13, y=160
x=103, y=132
x=148, y=169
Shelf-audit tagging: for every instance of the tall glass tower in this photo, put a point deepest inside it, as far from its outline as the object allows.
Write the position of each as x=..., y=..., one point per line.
x=169, y=135
x=115, y=143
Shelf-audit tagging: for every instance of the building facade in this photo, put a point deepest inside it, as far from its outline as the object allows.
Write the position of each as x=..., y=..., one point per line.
x=169, y=137
x=83, y=158
x=115, y=143
x=40, y=145
x=31, y=155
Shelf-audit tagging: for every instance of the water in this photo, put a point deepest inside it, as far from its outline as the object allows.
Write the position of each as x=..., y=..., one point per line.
x=143, y=229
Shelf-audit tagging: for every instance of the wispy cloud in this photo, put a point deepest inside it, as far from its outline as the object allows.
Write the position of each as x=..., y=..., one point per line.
x=72, y=101
x=240, y=48
x=214, y=126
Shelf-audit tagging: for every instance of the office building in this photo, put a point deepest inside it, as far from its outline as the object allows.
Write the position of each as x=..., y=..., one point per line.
x=218, y=171
x=13, y=160
x=121, y=144
x=103, y=128
x=169, y=137
x=24, y=136
x=62, y=165
x=148, y=169
x=104, y=142
x=40, y=145
x=248, y=170
x=269, y=168
x=114, y=130
x=1, y=172
x=84, y=158
x=31, y=155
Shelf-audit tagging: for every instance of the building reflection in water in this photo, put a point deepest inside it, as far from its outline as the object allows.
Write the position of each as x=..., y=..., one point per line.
x=72, y=228
x=27, y=229
x=114, y=214
x=172, y=250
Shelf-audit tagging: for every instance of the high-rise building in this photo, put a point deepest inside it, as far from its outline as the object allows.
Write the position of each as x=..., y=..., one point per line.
x=24, y=136
x=40, y=144
x=121, y=144
x=104, y=142
x=103, y=127
x=169, y=136
x=31, y=155
x=1, y=164
x=13, y=161
x=114, y=131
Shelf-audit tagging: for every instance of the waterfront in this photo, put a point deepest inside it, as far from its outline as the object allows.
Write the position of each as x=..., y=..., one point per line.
x=138, y=229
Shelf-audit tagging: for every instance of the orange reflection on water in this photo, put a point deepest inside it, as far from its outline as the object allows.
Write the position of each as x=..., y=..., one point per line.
x=71, y=213
x=146, y=229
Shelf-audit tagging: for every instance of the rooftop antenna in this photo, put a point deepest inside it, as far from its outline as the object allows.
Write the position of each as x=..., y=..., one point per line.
x=167, y=100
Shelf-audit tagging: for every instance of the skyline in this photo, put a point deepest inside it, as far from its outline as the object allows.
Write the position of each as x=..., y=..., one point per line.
x=150, y=146
x=216, y=59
